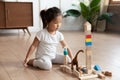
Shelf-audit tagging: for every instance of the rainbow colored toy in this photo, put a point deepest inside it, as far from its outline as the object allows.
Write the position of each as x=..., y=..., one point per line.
x=88, y=40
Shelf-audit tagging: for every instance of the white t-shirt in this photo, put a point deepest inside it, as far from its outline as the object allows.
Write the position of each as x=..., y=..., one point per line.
x=48, y=43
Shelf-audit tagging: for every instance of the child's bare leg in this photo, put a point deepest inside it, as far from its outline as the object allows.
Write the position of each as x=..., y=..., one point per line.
x=30, y=62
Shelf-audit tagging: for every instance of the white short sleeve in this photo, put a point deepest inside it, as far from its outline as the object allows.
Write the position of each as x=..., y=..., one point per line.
x=39, y=35
x=61, y=37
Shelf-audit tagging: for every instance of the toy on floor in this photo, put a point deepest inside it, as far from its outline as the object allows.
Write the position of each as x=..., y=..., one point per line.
x=65, y=55
x=75, y=61
x=107, y=73
x=101, y=74
x=87, y=71
x=97, y=67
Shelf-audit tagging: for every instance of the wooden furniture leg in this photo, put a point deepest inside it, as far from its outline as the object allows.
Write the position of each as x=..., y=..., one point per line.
x=24, y=30
x=28, y=31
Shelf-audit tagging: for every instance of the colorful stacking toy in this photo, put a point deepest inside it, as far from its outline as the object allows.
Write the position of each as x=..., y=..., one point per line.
x=88, y=40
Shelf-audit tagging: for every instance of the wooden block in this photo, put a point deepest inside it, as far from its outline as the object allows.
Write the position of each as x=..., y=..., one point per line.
x=101, y=76
x=65, y=59
x=88, y=43
x=89, y=71
x=76, y=73
x=88, y=40
x=65, y=68
x=94, y=72
x=68, y=69
x=107, y=73
x=97, y=67
x=87, y=32
x=88, y=36
x=88, y=76
x=87, y=26
x=88, y=59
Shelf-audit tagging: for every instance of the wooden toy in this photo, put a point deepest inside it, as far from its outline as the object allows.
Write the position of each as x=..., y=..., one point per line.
x=65, y=67
x=97, y=68
x=65, y=56
x=86, y=72
x=107, y=73
x=83, y=72
x=75, y=61
x=101, y=76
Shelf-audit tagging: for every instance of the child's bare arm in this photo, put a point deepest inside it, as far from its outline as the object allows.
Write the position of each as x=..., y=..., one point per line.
x=64, y=44
x=31, y=50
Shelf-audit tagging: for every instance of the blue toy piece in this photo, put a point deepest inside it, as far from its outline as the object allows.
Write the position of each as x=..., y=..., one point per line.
x=97, y=68
x=88, y=43
x=65, y=51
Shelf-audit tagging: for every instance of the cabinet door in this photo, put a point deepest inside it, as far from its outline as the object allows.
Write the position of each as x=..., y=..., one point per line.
x=2, y=15
x=18, y=14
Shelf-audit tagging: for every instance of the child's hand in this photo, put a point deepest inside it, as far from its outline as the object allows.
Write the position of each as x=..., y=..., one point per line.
x=25, y=63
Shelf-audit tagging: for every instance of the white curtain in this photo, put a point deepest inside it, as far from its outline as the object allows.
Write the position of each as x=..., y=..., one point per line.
x=104, y=6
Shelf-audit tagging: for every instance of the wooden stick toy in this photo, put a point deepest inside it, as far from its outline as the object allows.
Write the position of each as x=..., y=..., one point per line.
x=65, y=55
x=88, y=72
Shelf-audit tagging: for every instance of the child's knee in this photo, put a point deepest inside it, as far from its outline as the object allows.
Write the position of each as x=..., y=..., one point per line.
x=46, y=65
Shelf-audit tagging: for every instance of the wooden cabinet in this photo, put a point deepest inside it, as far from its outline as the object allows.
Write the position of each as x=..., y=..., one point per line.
x=2, y=15
x=115, y=26
x=114, y=7
x=16, y=15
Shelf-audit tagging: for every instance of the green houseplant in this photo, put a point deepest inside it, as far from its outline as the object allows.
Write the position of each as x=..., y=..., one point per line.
x=90, y=13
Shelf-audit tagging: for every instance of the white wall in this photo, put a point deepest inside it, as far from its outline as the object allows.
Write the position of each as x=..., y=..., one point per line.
x=45, y=4
x=69, y=23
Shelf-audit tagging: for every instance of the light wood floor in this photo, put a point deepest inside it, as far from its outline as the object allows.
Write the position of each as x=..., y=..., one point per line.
x=13, y=48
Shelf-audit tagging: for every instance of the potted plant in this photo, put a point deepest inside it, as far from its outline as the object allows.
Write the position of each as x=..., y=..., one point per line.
x=90, y=13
